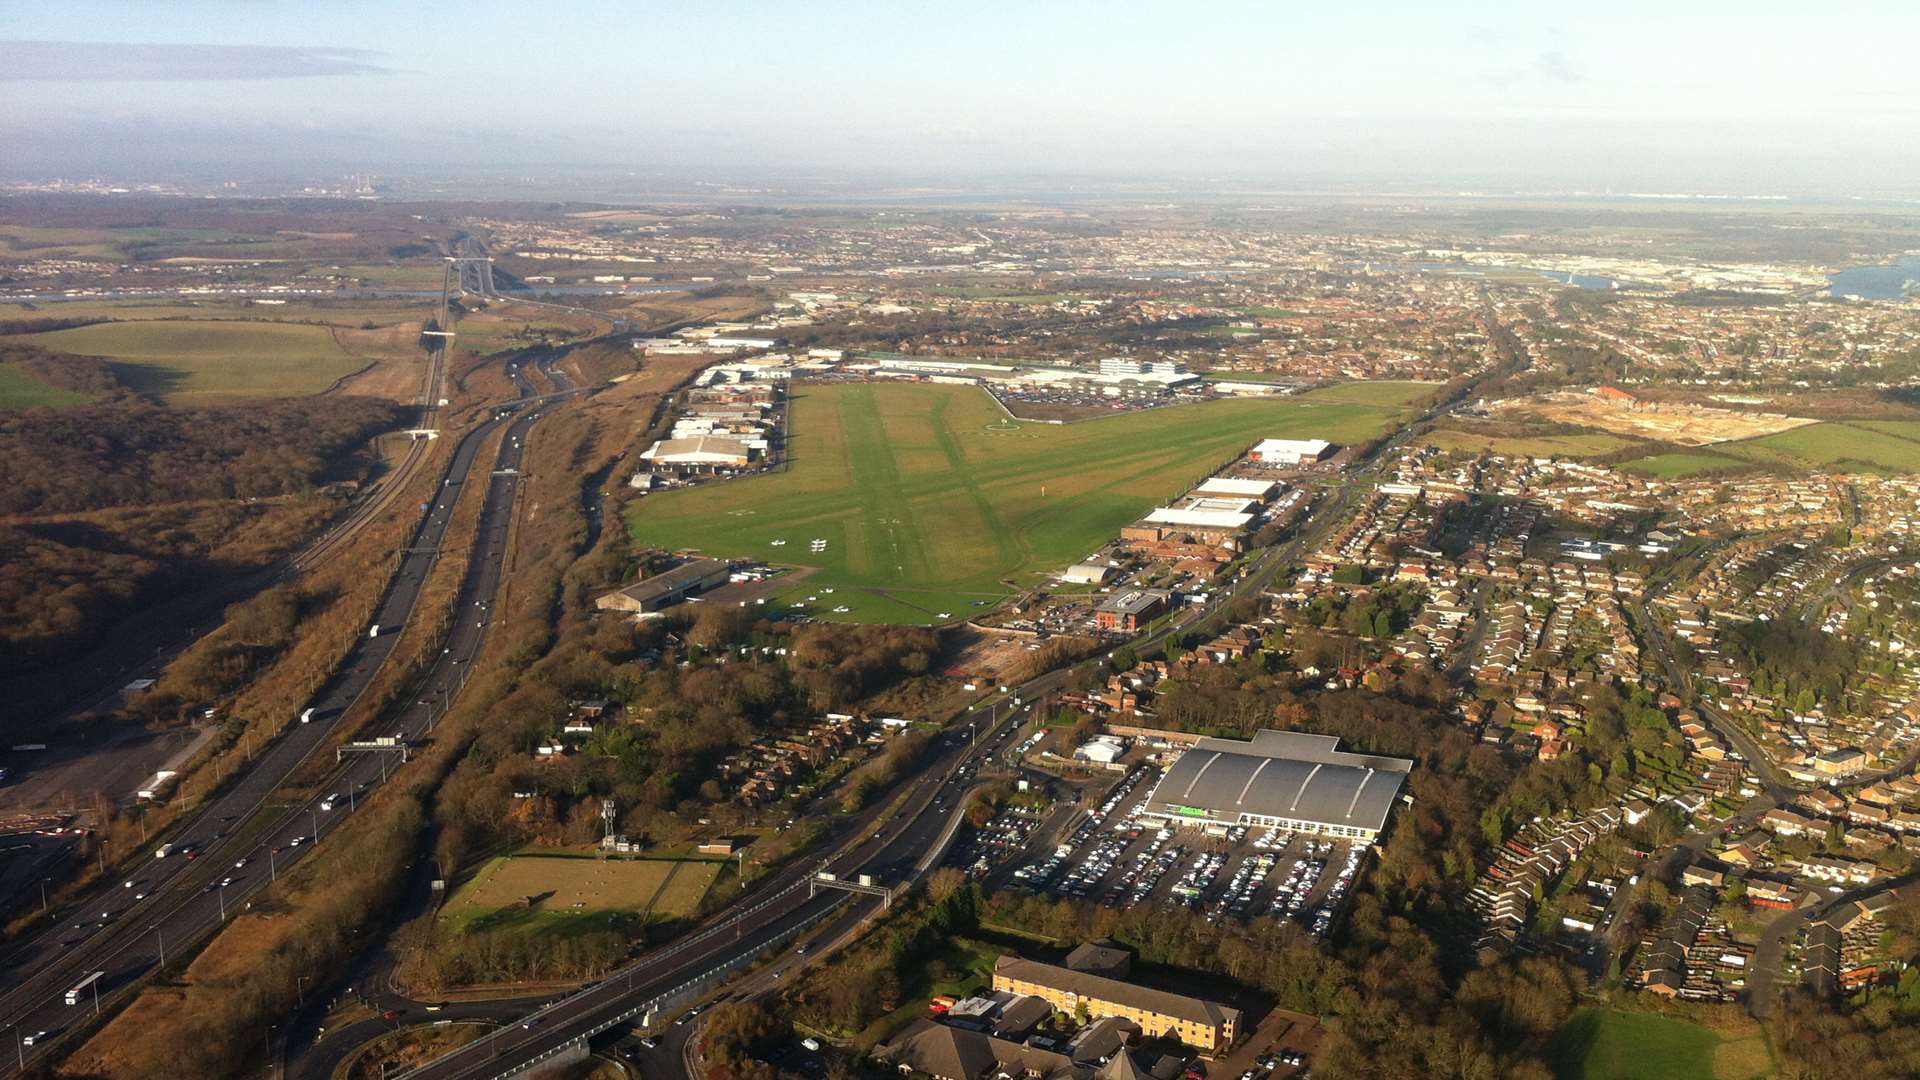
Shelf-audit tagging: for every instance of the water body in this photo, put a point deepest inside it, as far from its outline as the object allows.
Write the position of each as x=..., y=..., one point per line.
x=1888, y=282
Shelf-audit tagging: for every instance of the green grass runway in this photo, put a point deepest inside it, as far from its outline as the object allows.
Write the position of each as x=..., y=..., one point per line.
x=932, y=504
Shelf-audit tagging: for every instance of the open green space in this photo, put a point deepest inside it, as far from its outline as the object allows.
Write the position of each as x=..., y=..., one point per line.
x=1678, y=466
x=353, y=313
x=1274, y=313
x=1889, y=446
x=1836, y=446
x=1561, y=446
x=1608, y=1044
x=1381, y=395
x=543, y=892
x=19, y=390
x=196, y=361
x=928, y=503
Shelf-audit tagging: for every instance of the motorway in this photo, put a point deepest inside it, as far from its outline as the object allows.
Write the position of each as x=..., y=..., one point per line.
x=897, y=842
x=68, y=769
x=246, y=835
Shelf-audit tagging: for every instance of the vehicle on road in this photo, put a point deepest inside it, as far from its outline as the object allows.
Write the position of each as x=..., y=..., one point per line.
x=79, y=989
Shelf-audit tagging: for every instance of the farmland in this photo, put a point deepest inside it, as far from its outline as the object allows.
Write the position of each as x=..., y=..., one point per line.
x=197, y=361
x=929, y=500
x=574, y=890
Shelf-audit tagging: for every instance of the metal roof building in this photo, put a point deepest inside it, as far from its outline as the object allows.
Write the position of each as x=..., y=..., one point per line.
x=1226, y=485
x=1282, y=779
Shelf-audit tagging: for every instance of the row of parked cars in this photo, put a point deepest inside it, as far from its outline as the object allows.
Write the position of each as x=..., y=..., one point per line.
x=1199, y=877
x=999, y=839
x=1323, y=918
x=1237, y=900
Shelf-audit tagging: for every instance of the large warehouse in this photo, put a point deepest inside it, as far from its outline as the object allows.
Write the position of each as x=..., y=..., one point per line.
x=1281, y=779
x=1289, y=451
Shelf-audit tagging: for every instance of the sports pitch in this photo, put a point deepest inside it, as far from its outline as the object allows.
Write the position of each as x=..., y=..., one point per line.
x=920, y=503
x=568, y=886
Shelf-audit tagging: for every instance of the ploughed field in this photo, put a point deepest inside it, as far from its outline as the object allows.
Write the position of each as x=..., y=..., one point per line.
x=922, y=503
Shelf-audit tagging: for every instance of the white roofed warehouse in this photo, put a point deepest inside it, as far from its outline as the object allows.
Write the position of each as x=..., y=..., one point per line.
x=1281, y=779
x=1289, y=451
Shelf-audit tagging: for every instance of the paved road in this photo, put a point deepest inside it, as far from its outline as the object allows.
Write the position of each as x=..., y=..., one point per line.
x=1757, y=758
x=894, y=845
x=124, y=936
x=96, y=681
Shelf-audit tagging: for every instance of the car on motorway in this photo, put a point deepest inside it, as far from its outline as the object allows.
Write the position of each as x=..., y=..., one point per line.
x=239, y=862
x=38, y=1036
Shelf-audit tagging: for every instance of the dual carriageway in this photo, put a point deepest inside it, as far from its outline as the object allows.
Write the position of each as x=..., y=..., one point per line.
x=240, y=841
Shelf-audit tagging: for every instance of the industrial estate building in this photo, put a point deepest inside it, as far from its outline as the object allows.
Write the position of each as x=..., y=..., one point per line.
x=1281, y=779
x=1130, y=610
x=1208, y=1025
x=1289, y=451
x=665, y=589
x=701, y=453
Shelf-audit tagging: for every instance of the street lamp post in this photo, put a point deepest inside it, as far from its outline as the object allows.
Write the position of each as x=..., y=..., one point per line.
x=221, y=895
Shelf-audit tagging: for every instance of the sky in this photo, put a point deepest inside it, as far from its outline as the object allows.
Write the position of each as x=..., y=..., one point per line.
x=1751, y=97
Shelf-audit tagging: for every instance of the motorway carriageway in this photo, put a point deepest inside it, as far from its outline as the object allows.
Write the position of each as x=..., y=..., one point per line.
x=184, y=900
x=906, y=844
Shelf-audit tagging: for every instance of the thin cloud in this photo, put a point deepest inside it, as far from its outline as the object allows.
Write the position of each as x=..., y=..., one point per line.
x=114, y=61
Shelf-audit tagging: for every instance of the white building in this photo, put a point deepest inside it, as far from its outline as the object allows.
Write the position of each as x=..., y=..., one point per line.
x=1289, y=451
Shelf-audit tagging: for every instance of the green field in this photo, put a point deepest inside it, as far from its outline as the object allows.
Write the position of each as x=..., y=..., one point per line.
x=1564, y=446
x=196, y=361
x=933, y=504
x=1890, y=446
x=1678, y=466
x=577, y=891
x=1607, y=1044
x=347, y=313
x=1380, y=395
x=18, y=390
x=1846, y=446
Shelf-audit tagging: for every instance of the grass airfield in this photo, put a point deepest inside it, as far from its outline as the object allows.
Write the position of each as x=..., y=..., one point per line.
x=920, y=503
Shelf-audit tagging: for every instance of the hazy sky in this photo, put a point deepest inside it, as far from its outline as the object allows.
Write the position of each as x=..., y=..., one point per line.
x=1747, y=96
